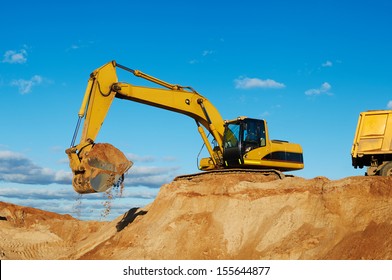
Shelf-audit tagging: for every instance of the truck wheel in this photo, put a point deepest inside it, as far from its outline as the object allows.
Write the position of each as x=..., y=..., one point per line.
x=386, y=170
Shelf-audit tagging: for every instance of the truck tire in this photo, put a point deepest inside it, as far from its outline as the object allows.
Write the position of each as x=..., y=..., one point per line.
x=386, y=170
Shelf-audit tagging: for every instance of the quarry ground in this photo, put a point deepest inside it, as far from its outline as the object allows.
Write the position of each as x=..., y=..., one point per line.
x=227, y=216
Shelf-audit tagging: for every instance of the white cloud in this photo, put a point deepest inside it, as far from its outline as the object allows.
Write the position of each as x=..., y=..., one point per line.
x=25, y=86
x=75, y=47
x=14, y=57
x=248, y=83
x=149, y=159
x=265, y=114
x=389, y=105
x=207, y=52
x=150, y=176
x=327, y=64
x=17, y=168
x=79, y=45
x=323, y=89
x=137, y=158
x=169, y=159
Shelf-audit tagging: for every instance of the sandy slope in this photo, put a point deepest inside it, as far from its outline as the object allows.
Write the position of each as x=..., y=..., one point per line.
x=220, y=217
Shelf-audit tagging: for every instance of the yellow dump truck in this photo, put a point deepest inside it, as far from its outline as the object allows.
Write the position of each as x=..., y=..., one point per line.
x=372, y=145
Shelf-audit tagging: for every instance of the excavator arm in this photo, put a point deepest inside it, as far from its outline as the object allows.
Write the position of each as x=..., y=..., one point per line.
x=98, y=166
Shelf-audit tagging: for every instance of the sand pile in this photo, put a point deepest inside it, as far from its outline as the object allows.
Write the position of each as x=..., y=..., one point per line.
x=231, y=216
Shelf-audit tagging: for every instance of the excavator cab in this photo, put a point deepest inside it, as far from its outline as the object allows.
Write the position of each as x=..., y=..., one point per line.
x=240, y=137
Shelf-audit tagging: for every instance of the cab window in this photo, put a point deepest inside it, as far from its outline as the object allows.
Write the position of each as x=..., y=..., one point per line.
x=232, y=135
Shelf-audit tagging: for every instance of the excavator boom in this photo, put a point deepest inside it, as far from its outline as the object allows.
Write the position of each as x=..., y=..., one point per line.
x=97, y=167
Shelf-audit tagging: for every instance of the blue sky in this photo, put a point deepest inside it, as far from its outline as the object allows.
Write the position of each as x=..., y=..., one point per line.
x=307, y=67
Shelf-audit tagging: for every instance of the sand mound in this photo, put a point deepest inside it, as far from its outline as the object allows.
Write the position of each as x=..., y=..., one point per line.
x=230, y=216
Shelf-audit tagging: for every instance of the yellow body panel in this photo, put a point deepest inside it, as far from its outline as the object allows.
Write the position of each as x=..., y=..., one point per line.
x=259, y=156
x=372, y=145
x=373, y=134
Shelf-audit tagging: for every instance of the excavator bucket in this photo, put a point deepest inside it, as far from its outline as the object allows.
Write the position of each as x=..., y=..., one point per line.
x=103, y=167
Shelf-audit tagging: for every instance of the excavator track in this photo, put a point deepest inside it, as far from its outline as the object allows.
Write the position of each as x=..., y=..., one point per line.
x=265, y=172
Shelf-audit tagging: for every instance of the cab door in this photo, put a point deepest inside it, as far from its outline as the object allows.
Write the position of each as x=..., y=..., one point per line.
x=232, y=144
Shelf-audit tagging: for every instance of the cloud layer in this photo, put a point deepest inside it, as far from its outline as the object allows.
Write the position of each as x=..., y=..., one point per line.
x=150, y=176
x=25, y=183
x=16, y=168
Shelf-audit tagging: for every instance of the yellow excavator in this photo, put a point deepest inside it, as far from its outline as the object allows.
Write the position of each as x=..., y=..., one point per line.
x=242, y=143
